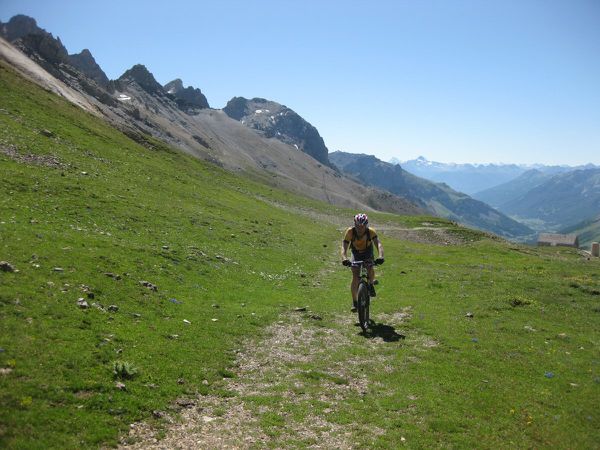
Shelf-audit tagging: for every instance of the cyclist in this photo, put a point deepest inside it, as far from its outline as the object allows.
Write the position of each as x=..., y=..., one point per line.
x=360, y=239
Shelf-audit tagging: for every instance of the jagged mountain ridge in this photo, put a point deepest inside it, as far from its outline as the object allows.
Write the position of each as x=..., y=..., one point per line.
x=138, y=105
x=436, y=198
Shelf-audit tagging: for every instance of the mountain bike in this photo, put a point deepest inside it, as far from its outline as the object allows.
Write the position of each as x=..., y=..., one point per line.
x=363, y=296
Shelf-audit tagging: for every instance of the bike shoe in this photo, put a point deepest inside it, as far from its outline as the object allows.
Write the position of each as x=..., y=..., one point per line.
x=372, y=292
x=354, y=306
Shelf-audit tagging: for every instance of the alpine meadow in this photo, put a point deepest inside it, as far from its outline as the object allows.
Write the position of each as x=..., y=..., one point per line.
x=151, y=299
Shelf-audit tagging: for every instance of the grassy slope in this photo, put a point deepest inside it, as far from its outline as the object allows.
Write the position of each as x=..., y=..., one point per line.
x=483, y=384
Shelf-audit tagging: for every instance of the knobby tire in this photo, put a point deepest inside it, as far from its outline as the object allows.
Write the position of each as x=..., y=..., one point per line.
x=363, y=306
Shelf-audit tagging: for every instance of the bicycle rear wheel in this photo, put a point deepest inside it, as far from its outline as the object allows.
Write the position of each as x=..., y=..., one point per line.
x=363, y=306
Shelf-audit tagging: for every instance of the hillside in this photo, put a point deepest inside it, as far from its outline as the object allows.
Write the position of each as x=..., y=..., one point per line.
x=506, y=193
x=151, y=299
x=138, y=105
x=438, y=199
x=587, y=230
x=561, y=201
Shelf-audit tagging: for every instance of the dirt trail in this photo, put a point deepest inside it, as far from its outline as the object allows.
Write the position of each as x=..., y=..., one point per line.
x=299, y=362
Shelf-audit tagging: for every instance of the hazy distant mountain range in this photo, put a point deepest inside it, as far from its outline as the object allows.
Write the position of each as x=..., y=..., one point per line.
x=549, y=202
x=436, y=198
x=473, y=178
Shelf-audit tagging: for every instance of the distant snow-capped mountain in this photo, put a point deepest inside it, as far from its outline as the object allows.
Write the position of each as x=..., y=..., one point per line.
x=473, y=178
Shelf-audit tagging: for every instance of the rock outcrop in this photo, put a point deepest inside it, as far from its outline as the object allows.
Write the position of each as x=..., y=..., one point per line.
x=144, y=79
x=86, y=63
x=188, y=99
x=279, y=122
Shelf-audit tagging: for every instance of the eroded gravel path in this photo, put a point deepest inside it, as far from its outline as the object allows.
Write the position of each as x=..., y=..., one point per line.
x=300, y=363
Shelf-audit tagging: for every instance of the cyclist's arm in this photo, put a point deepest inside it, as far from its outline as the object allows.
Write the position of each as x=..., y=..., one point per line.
x=379, y=245
x=345, y=245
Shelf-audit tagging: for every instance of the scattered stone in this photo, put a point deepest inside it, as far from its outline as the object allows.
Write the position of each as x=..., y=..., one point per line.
x=82, y=303
x=158, y=414
x=151, y=386
x=84, y=173
x=5, y=370
x=315, y=317
x=174, y=300
x=243, y=305
x=165, y=247
x=113, y=308
x=46, y=133
x=120, y=386
x=112, y=275
x=562, y=335
x=58, y=269
x=136, y=315
x=214, y=320
x=185, y=403
x=469, y=315
x=6, y=266
x=301, y=309
x=529, y=328
x=474, y=340
x=549, y=375
x=207, y=419
x=98, y=306
x=187, y=322
x=214, y=305
x=149, y=285
x=205, y=382
x=574, y=384
x=181, y=381
x=173, y=336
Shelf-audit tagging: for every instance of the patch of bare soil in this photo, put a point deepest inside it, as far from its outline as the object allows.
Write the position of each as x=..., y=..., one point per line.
x=277, y=366
x=40, y=160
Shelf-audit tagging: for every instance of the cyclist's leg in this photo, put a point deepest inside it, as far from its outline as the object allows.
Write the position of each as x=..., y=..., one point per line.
x=354, y=284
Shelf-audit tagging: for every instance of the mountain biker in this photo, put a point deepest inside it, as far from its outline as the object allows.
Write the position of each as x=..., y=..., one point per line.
x=360, y=239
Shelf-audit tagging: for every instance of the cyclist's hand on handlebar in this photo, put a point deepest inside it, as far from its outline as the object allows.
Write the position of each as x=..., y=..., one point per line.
x=379, y=261
x=346, y=262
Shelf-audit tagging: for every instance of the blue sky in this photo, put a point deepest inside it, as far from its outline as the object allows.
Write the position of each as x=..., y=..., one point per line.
x=455, y=81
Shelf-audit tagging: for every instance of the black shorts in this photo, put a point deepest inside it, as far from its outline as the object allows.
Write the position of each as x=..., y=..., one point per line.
x=367, y=255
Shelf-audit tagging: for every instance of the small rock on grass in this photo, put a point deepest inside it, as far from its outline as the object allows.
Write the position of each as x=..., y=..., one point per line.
x=6, y=266
x=120, y=386
x=301, y=309
x=149, y=285
x=469, y=315
x=82, y=303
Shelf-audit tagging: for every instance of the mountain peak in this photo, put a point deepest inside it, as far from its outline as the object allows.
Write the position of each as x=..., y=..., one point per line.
x=142, y=76
x=188, y=99
x=280, y=122
x=174, y=86
x=19, y=26
x=86, y=63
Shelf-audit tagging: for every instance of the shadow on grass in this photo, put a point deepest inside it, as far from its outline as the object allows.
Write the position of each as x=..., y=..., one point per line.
x=385, y=332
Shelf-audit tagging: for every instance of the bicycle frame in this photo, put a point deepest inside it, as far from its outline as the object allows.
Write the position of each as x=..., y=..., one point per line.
x=364, y=298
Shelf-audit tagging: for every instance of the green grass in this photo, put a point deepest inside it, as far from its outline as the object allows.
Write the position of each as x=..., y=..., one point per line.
x=523, y=372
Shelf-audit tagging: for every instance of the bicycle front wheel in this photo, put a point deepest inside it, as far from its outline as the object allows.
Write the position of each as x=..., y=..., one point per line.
x=363, y=306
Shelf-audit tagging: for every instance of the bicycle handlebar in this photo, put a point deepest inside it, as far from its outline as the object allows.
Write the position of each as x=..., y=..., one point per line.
x=360, y=263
